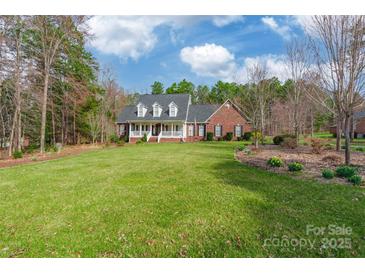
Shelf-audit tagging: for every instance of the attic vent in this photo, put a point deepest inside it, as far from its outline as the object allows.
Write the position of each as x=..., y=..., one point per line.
x=227, y=105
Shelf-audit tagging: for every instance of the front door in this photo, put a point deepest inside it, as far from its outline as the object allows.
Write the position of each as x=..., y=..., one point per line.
x=156, y=129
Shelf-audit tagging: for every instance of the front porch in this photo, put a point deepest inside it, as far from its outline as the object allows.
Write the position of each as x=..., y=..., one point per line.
x=156, y=131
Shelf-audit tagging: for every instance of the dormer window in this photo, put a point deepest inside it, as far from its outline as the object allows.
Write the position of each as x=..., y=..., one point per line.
x=172, y=109
x=156, y=110
x=141, y=110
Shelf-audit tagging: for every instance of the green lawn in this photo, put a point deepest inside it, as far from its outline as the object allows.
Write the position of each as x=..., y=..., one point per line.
x=169, y=200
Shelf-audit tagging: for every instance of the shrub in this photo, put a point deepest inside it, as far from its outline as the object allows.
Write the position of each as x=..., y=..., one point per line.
x=317, y=145
x=278, y=140
x=139, y=142
x=114, y=138
x=51, y=148
x=275, y=162
x=126, y=138
x=229, y=136
x=360, y=149
x=345, y=171
x=290, y=142
x=31, y=148
x=144, y=138
x=121, y=142
x=209, y=136
x=17, y=154
x=295, y=166
x=247, y=136
x=356, y=180
x=328, y=173
x=241, y=147
x=257, y=135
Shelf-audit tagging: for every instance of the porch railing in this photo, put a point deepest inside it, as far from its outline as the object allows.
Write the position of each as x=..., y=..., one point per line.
x=137, y=133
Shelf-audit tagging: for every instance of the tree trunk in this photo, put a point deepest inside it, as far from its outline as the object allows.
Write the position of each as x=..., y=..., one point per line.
x=44, y=111
x=262, y=126
x=347, y=140
x=74, y=123
x=338, y=134
x=53, y=124
x=19, y=147
x=12, y=132
x=312, y=124
x=62, y=126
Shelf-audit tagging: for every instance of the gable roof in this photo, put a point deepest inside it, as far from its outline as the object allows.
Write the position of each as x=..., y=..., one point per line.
x=129, y=113
x=200, y=113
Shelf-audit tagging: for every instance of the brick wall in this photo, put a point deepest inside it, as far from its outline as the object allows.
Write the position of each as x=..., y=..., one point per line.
x=195, y=138
x=360, y=126
x=228, y=117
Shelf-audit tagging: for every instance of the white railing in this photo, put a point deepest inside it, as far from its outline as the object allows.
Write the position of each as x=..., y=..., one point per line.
x=171, y=133
x=137, y=133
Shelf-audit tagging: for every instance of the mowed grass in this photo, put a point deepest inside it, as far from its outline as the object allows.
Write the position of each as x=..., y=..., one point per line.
x=170, y=200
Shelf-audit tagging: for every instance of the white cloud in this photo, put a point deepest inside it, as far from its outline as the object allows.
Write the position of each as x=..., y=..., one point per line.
x=210, y=60
x=221, y=21
x=123, y=36
x=216, y=61
x=305, y=22
x=274, y=64
x=284, y=31
x=134, y=36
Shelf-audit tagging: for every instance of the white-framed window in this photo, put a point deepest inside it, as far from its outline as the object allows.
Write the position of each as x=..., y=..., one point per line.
x=156, y=110
x=190, y=130
x=238, y=131
x=201, y=130
x=172, y=109
x=218, y=131
x=141, y=110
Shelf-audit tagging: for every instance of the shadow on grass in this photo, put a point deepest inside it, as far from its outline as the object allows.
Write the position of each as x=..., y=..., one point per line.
x=291, y=204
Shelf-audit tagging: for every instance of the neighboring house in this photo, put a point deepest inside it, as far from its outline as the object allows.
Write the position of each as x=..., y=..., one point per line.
x=172, y=118
x=358, y=125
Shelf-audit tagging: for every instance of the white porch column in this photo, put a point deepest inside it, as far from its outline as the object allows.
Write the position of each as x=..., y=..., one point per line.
x=130, y=132
x=172, y=129
x=140, y=129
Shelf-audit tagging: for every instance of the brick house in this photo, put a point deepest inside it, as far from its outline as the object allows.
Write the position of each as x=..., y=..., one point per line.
x=173, y=118
x=358, y=125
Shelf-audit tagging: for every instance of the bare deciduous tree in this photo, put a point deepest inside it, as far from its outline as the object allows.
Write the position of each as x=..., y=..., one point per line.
x=341, y=62
x=297, y=65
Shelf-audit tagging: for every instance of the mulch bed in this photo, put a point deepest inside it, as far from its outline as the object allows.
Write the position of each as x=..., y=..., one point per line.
x=313, y=163
x=37, y=157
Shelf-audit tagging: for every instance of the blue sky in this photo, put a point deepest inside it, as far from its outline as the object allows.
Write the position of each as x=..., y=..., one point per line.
x=201, y=49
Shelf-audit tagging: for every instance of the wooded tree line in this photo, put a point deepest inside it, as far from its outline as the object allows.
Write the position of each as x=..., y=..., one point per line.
x=269, y=97
x=51, y=89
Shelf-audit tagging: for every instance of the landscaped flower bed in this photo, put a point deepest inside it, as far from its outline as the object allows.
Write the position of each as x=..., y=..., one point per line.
x=313, y=163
